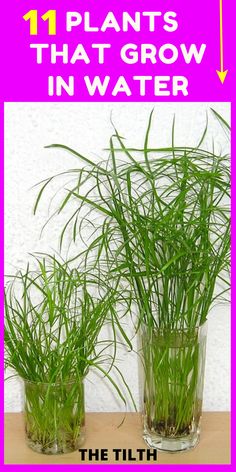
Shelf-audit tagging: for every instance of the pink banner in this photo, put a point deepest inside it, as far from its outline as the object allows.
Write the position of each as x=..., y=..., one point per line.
x=136, y=52
x=117, y=51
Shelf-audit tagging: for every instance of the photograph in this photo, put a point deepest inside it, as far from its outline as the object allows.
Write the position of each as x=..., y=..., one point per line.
x=117, y=282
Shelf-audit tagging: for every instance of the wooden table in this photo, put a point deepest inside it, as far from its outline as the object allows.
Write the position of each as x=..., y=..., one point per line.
x=102, y=432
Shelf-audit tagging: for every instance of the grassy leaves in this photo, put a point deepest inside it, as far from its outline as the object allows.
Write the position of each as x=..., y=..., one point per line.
x=163, y=224
x=53, y=320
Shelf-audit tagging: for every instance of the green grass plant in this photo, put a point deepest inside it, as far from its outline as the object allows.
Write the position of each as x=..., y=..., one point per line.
x=163, y=232
x=53, y=320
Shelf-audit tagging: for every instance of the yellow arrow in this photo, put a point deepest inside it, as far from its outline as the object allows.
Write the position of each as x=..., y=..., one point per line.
x=221, y=73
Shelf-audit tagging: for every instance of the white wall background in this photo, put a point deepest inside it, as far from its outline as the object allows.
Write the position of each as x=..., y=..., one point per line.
x=86, y=127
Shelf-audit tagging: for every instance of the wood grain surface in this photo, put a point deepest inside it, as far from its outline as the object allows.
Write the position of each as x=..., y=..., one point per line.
x=103, y=432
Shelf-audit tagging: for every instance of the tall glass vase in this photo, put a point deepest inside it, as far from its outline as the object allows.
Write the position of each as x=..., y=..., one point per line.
x=174, y=363
x=54, y=416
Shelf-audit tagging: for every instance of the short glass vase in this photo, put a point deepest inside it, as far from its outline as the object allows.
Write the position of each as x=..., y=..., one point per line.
x=174, y=364
x=54, y=416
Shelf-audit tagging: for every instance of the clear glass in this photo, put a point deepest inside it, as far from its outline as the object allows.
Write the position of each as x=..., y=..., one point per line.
x=54, y=416
x=174, y=364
